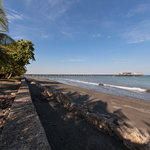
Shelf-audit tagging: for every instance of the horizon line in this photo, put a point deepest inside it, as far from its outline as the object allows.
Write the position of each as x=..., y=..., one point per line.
x=74, y=74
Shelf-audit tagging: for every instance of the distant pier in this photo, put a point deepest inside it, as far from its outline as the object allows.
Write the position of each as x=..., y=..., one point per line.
x=130, y=74
x=62, y=75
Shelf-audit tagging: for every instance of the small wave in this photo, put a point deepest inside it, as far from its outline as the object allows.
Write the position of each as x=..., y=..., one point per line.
x=91, y=83
x=135, y=89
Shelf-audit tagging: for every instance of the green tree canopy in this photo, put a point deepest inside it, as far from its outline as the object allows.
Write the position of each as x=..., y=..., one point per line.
x=14, y=56
x=19, y=55
x=4, y=56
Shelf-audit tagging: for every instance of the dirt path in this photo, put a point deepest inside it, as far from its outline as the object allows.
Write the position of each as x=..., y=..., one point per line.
x=66, y=131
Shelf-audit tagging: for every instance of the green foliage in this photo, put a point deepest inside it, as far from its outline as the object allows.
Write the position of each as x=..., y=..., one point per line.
x=15, y=57
x=5, y=58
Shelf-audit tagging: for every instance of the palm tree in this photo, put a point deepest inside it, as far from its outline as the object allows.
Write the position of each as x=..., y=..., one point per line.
x=3, y=18
x=4, y=39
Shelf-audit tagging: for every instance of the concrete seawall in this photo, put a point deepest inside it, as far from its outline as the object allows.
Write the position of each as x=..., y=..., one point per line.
x=23, y=129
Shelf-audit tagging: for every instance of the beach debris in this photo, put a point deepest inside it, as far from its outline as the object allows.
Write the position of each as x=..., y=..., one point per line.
x=101, y=84
x=13, y=94
x=33, y=83
x=148, y=91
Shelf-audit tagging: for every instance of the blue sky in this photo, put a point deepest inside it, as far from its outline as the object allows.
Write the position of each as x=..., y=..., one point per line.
x=84, y=36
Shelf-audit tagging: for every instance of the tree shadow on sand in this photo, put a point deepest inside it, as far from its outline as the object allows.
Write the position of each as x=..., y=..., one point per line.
x=66, y=131
x=50, y=111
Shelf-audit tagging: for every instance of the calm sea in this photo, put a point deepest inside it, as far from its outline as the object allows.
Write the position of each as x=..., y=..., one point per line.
x=133, y=87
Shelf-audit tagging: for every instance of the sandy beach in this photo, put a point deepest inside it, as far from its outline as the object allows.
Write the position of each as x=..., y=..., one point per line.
x=137, y=111
x=74, y=75
x=66, y=131
x=62, y=126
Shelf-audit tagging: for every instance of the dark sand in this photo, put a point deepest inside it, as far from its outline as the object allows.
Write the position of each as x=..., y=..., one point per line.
x=137, y=111
x=64, y=130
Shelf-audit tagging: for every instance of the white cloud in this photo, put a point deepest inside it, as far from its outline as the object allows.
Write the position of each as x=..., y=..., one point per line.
x=108, y=24
x=48, y=13
x=75, y=60
x=66, y=33
x=57, y=8
x=18, y=37
x=25, y=32
x=28, y=1
x=138, y=33
x=51, y=9
x=96, y=35
x=121, y=61
x=14, y=15
x=44, y=35
x=109, y=36
x=140, y=9
x=55, y=2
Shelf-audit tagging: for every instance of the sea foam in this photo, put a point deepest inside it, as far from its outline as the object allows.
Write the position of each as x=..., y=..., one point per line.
x=135, y=89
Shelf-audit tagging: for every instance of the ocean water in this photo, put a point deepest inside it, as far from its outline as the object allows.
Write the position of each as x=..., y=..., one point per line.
x=133, y=87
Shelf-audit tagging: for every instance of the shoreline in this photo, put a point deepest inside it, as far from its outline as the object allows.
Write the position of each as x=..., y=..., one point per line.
x=109, y=91
x=43, y=74
x=94, y=90
x=136, y=88
x=136, y=110
x=65, y=128
x=116, y=116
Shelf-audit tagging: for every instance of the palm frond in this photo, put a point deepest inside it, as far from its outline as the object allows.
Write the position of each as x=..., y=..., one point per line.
x=3, y=17
x=5, y=39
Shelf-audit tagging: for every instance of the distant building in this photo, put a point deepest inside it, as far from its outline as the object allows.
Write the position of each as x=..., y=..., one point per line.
x=130, y=74
x=125, y=73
